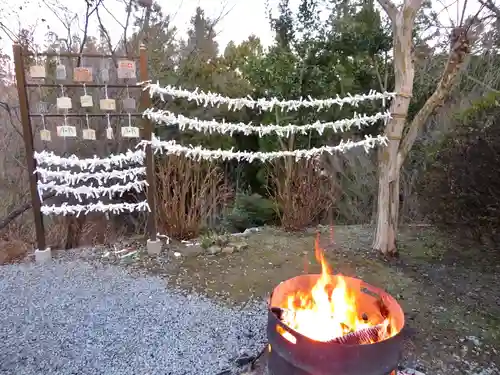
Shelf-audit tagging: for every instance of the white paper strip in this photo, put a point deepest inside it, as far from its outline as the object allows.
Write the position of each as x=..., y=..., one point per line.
x=199, y=153
x=69, y=177
x=214, y=99
x=185, y=123
x=89, y=191
x=117, y=160
x=116, y=208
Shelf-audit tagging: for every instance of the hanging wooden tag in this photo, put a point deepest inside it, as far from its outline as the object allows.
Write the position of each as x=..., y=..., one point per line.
x=129, y=104
x=107, y=104
x=82, y=74
x=130, y=132
x=64, y=103
x=66, y=131
x=109, y=133
x=88, y=134
x=42, y=107
x=60, y=72
x=45, y=135
x=37, y=71
x=126, y=69
x=86, y=101
x=105, y=75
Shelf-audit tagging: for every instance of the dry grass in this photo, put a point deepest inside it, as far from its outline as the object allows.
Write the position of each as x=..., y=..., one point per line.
x=189, y=193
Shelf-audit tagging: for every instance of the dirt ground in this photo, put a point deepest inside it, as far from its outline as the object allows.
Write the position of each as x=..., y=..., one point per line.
x=447, y=288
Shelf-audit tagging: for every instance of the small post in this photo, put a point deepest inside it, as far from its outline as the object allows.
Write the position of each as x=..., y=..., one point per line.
x=41, y=252
x=153, y=244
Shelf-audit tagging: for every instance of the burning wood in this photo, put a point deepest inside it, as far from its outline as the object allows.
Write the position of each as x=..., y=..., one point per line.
x=358, y=337
x=363, y=336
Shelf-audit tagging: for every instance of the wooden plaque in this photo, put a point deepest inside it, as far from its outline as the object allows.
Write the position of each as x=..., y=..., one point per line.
x=60, y=72
x=63, y=103
x=82, y=74
x=130, y=132
x=86, y=101
x=129, y=104
x=37, y=71
x=66, y=131
x=126, y=69
x=88, y=134
x=107, y=104
x=45, y=135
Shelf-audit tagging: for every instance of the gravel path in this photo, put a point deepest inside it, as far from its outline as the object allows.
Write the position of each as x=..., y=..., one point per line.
x=76, y=318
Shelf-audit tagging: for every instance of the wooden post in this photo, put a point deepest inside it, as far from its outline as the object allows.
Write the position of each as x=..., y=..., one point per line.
x=28, y=143
x=148, y=135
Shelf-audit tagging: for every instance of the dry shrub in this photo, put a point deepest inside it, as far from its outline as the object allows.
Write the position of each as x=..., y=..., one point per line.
x=302, y=192
x=190, y=194
x=70, y=232
x=64, y=232
x=355, y=173
x=21, y=229
x=12, y=250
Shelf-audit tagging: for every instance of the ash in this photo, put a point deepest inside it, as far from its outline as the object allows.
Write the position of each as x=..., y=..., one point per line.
x=75, y=318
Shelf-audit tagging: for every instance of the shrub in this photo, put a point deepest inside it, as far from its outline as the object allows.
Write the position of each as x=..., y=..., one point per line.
x=251, y=211
x=190, y=195
x=301, y=192
x=462, y=186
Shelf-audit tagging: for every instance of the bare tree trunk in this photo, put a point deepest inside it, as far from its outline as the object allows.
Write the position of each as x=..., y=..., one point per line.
x=389, y=163
x=400, y=143
x=388, y=201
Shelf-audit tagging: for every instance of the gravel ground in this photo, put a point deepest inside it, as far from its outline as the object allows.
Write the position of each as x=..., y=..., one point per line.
x=70, y=317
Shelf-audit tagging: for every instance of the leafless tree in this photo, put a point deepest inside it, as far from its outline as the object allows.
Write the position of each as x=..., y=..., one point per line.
x=400, y=133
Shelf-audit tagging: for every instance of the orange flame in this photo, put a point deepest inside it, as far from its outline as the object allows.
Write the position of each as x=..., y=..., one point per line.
x=329, y=310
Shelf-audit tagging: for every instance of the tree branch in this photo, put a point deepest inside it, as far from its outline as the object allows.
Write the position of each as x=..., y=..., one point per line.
x=7, y=107
x=411, y=8
x=125, y=28
x=88, y=13
x=381, y=81
x=483, y=84
x=390, y=8
x=459, y=51
x=20, y=210
x=491, y=6
x=107, y=37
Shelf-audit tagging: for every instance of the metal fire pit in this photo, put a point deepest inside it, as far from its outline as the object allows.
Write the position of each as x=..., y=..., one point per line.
x=310, y=357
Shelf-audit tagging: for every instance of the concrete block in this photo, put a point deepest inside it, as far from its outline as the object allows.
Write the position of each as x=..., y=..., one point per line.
x=154, y=247
x=43, y=256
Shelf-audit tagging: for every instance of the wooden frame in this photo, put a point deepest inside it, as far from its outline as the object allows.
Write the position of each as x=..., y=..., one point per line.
x=147, y=133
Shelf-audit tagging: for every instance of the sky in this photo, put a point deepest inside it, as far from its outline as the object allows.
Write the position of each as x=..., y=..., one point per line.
x=243, y=18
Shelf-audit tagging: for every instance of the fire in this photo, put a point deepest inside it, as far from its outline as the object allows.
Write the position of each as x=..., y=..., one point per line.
x=329, y=310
